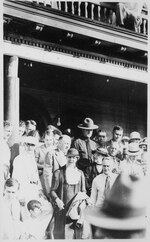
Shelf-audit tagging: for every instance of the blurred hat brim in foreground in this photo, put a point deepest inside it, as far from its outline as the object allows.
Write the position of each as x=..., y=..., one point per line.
x=124, y=208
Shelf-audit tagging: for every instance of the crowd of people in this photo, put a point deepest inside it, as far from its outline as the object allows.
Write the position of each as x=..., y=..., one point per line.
x=54, y=184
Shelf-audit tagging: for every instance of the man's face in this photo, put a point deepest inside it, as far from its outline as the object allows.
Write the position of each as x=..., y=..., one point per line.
x=64, y=144
x=48, y=140
x=21, y=131
x=117, y=135
x=7, y=132
x=101, y=137
x=143, y=147
x=30, y=147
x=56, y=139
x=107, y=166
x=113, y=149
x=30, y=127
x=87, y=133
x=10, y=193
x=98, y=159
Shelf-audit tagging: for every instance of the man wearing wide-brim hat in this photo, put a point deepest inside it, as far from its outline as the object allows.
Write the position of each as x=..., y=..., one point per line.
x=98, y=156
x=123, y=213
x=85, y=145
x=132, y=164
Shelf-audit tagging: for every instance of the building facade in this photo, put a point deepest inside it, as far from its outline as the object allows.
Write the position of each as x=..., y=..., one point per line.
x=64, y=61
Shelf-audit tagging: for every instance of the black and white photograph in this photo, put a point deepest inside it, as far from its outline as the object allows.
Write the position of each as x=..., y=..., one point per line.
x=74, y=125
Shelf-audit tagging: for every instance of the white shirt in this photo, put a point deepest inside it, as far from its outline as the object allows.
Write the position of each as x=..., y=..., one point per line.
x=36, y=227
x=98, y=187
x=5, y=159
x=26, y=172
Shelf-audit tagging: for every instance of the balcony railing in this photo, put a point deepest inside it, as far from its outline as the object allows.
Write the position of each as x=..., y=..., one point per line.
x=102, y=12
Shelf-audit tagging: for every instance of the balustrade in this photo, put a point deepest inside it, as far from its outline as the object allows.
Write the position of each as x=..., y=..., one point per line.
x=102, y=12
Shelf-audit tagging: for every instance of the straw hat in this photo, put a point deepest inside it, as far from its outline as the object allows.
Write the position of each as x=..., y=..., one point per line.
x=124, y=208
x=135, y=135
x=88, y=124
x=133, y=149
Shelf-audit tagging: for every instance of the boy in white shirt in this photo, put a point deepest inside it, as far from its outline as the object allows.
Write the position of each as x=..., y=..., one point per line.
x=38, y=221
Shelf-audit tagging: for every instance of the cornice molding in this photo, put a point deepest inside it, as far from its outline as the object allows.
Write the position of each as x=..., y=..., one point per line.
x=80, y=25
x=47, y=46
x=67, y=60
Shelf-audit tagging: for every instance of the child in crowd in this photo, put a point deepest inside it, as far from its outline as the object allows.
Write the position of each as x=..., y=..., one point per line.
x=11, y=211
x=37, y=223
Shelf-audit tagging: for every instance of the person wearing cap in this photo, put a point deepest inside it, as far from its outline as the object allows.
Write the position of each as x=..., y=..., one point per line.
x=85, y=145
x=102, y=183
x=66, y=183
x=123, y=213
x=132, y=165
x=134, y=137
x=117, y=134
x=98, y=156
x=26, y=172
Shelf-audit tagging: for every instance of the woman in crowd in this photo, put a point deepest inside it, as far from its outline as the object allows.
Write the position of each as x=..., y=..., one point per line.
x=66, y=183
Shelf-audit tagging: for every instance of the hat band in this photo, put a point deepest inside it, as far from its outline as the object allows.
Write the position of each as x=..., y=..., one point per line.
x=133, y=151
x=119, y=211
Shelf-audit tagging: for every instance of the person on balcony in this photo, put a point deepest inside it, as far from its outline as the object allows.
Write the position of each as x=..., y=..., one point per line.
x=128, y=14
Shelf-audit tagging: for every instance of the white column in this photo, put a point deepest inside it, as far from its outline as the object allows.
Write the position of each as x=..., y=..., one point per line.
x=12, y=96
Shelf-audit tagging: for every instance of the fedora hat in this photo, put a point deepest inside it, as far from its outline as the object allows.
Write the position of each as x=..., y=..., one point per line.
x=88, y=124
x=133, y=149
x=125, y=206
x=135, y=135
x=101, y=151
x=73, y=152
